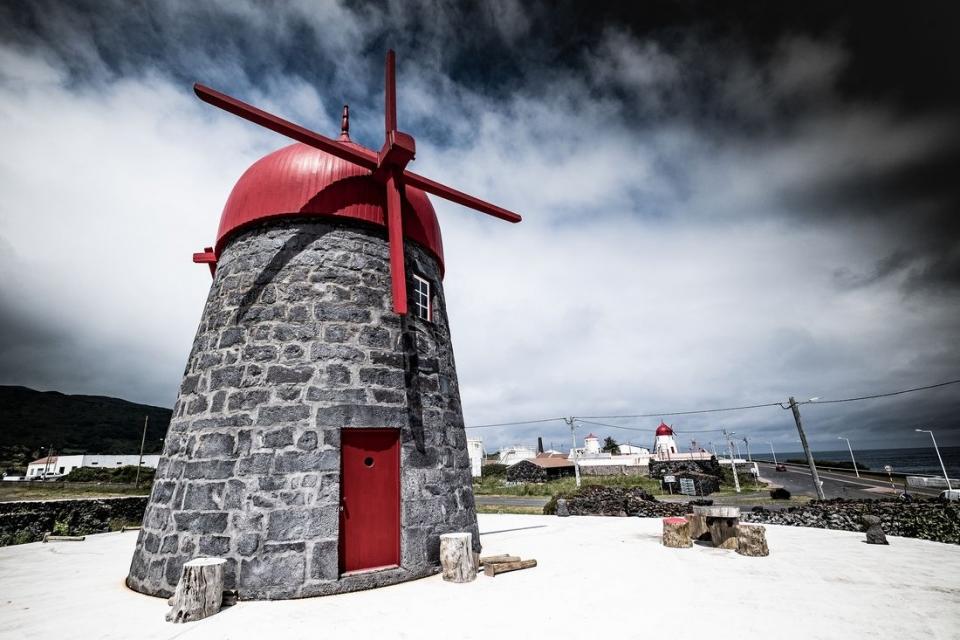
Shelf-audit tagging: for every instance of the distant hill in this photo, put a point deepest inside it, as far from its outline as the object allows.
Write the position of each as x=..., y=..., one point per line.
x=31, y=419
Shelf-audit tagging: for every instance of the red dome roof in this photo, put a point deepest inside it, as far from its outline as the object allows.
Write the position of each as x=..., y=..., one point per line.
x=664, y=430
x=301, y=180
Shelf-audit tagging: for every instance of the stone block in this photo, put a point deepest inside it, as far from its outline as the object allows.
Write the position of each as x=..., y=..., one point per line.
x=214, y=546
x=295, y=461
x=268, y=416
x=307, y=441
x=278, y=438
x=382, y=376
x=202, y=522
x=248, y=543
x=226, y=377
x=272, y=570
x=256, y=463
x=278, y=374
x=215, y=445
x=206, y=496
x=209, y=470
x=324, y=564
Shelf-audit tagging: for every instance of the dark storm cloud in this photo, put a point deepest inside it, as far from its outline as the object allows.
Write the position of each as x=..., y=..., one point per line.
x=759, y=197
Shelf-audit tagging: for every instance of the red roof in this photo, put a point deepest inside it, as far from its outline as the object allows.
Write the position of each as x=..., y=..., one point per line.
x=301, y=180
x=590, y=436
x=664, y=430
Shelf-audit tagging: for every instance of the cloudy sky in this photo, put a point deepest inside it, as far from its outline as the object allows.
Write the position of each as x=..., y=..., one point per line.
x=723, y=205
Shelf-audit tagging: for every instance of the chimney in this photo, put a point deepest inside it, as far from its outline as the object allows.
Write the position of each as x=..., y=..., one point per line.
x=539, y=444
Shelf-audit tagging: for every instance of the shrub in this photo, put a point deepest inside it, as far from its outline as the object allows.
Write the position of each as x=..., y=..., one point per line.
x=120, y=475
x=495, y=470
x=780, y=494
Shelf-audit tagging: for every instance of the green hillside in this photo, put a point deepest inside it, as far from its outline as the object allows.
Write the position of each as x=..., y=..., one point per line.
x=31, y=420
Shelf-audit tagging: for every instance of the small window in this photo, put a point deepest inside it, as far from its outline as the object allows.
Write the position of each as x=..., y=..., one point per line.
x=421, y=298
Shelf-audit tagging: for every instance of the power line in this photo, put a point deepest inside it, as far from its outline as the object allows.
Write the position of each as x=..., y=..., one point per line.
x=587, y=419
x=886, y=395
x=510, y=424
x=686, y=413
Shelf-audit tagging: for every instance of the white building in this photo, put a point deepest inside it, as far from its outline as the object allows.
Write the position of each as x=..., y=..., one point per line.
x=62, y=465
x=475, y=449
x=516, y=453
x=590, y=455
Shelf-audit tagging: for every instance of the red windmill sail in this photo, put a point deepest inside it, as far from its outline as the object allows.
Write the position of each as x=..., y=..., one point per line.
x=388, y=166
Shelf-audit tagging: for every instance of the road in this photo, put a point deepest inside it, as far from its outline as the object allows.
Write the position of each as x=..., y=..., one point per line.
x=797, y=480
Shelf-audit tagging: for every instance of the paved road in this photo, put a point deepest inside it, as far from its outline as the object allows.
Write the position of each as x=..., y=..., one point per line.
x=797, y=480
x=512, y=501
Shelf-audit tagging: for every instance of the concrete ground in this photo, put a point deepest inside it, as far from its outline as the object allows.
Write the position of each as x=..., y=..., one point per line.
x=596, y=577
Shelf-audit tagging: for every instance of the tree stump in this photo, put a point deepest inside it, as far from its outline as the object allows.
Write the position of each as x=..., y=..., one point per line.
x=456, y=557
x=676, y=533
x=200, y=591
x=698, y=526
x=562, y=509
x=722, y=522
x=875, y=534
x=752, y=540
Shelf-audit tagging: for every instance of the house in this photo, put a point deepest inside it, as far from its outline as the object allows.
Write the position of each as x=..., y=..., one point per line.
x=62, y=465
x=515, y=453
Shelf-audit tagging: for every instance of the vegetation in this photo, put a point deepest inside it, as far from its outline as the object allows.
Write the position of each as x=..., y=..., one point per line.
x=32, y=420
x=119, y=475
x=16, y=491
x=610, y=446
x=497, y=486
x=780, y=494
x=496, y=470
x=831, y=463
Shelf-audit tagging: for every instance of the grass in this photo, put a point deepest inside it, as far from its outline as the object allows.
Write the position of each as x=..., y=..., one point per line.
x=15, y=491
x=497, y=486
x=497, y=508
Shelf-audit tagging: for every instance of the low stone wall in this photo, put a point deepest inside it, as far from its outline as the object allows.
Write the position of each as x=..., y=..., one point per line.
x=926, y=519
x=660, y=468
x=22, y=522
x=613, y=470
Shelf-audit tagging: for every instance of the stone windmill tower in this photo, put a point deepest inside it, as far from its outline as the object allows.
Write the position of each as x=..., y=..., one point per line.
x=317, y=442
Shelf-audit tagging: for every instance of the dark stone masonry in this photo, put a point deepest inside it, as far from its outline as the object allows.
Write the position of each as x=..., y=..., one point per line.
x=298, y=341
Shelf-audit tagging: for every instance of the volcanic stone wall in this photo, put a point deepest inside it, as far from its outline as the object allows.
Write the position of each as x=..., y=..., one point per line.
x=27, y=521
x=297, y=341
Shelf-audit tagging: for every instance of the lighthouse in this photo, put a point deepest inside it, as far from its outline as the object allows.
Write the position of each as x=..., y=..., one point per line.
x=317, y=443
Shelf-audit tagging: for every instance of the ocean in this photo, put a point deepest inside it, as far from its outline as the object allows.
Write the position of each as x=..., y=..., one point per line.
x=919, y=461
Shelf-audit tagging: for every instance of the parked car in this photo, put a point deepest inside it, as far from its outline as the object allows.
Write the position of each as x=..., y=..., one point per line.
x=781, y=467
x=950, y=494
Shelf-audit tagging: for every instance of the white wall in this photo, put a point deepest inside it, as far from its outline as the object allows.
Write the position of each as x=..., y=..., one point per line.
x=66, y=464
x=475, y=449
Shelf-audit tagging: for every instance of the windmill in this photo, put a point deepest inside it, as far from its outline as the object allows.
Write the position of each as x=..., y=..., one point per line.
x=317, y=442
x=387, y=166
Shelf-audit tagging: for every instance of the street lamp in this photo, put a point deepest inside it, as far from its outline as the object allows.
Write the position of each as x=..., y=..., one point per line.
x=937, y=449
x=773, y=452
x=855, y=470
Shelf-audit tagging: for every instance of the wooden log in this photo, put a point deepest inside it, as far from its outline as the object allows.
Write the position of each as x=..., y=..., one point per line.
x=52, y=538
x=503, y=567
x=716, y=512
x=723, y=532
x=456, y=557
x=676, y=533
x=126, y=528
x=501, y=558
x=199, y=593
x=752, y=540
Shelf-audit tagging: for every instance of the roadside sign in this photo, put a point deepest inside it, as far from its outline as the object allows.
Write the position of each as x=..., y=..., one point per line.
x=669, y=479
x=688, y=487
x=887, y=468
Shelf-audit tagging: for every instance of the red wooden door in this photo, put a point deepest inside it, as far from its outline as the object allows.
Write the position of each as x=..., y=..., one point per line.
x=369, y=499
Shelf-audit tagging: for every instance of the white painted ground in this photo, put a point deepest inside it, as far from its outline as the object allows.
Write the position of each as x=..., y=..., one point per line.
x=597, y=577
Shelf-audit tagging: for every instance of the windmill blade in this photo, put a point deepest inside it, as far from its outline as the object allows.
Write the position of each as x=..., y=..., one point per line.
x=366, y=159
x=451, y=194
x=398, y=272
x=390, y=94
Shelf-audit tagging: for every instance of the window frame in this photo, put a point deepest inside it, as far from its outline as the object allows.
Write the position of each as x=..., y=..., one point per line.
x=418, y=295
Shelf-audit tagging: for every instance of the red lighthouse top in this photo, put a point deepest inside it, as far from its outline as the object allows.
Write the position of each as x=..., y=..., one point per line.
x=301, y=180
x=664, y=430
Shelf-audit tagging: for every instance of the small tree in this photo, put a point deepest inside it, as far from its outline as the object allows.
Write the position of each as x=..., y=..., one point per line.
x=610, y=446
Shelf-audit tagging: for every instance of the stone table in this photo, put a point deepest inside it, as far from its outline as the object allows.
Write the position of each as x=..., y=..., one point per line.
x=722, y=523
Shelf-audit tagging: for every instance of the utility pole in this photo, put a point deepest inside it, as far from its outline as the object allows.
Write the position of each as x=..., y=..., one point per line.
x=573, y=452
x=747, y=442
x=939, y=457
x=806, y=449
x=852, y=459
x=774, y=453
x=733, y=463
x=143, y=440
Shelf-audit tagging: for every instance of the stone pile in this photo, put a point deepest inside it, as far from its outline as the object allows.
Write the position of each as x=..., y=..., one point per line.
x=595, y=500
x=660, y=468
x=926, y=519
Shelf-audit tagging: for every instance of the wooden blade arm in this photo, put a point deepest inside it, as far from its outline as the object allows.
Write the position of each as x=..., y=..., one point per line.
x=398, y=271
x=390, y=94
x=448, y=193
x=366, y=159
